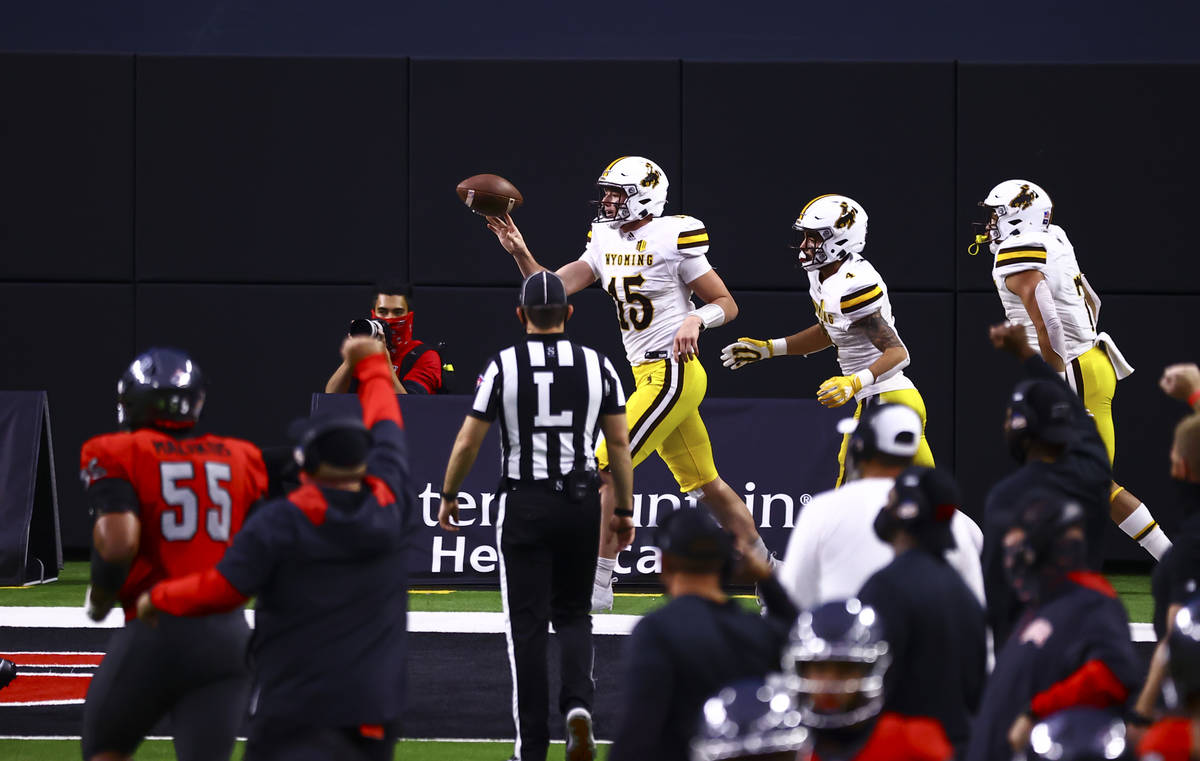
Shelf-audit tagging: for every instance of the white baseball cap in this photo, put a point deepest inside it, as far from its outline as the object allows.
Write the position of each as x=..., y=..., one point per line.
x=896, y=428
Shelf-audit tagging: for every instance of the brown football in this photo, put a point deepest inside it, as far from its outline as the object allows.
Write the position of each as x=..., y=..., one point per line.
x=490, y=195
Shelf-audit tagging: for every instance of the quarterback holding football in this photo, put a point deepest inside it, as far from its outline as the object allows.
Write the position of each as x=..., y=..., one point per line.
x=853, y=313
x=651, y=265
x=1042, y=288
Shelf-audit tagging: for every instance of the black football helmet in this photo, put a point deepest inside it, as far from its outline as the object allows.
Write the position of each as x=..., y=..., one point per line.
x=1183, y=656
x=1079, y=734
x=161, y=388
x=751, y=719
x=850, y=635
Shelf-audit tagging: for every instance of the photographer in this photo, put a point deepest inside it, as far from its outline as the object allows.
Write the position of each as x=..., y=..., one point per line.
x=416, y=366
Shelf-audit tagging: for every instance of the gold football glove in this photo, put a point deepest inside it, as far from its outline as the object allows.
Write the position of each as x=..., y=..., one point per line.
x=747, y=350
x=839, y=389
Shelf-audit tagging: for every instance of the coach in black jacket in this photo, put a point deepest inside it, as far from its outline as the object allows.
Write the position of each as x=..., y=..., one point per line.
x=327, y=564
x=1051, y=434
x=683, y=653
x=1071, y=646
x=933, y=624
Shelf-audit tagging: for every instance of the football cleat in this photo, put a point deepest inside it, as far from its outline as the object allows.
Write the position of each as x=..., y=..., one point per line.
x=602, y=596
x=581, y=744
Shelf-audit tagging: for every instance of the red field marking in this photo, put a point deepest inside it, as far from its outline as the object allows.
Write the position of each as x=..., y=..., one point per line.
x=46, y=689
x=54, y=659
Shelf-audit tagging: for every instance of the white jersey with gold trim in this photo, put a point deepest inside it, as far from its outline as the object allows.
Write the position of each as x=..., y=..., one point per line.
x=646, y=273
x=1050, y=253
x=845, y=297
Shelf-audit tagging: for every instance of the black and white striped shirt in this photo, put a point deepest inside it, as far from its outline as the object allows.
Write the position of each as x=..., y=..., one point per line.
x=548, y=394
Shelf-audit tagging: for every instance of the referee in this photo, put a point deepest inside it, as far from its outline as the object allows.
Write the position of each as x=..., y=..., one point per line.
x=551, y=396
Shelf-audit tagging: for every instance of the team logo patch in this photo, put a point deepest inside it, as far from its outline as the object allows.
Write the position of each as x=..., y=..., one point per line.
x=652, y=177
x=1038, y=631
x=847, y=217
x=1024, y=199
x=92, y=473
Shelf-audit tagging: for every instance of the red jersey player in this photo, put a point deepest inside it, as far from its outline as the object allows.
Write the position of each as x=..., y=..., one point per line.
x=167, y=502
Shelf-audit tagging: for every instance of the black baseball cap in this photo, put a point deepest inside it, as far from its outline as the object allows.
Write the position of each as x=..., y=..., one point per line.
x=691, y=534
x=543, y=289
x=925, y=500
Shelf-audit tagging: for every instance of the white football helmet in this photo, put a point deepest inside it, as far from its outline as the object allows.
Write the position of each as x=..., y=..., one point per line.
x=841, y=225
x=1017, y=206
x=644, y=184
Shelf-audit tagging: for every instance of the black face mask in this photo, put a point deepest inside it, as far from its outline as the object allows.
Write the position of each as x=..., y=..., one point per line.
x=1031, y=579
x=1016, y=441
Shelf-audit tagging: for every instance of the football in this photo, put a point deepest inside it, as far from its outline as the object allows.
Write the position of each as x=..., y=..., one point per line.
x=489, y=195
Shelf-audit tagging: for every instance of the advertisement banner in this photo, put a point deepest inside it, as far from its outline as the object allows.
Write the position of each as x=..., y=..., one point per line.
x=775, y=453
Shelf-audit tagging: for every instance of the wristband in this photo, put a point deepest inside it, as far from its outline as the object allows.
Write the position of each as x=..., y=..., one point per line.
x=623, y=512
x=711, y=315
x=778, y=347
x=1194, y=398
x=1138, y=719
x=450, y=497
x=865, y=377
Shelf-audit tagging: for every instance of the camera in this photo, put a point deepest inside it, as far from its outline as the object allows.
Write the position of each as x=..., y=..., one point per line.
x=377, y=329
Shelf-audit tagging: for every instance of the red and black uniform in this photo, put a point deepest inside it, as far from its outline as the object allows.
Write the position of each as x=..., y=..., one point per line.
x=1168, y=740
x=1071, y=648
x=417, y=365
x=191, y=496
x=328, y=568
x=898, y=738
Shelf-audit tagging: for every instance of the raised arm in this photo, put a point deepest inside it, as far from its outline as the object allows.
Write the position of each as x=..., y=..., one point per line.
x=575, y=275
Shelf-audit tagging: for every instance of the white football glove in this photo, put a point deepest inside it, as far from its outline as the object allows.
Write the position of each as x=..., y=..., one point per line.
x=747, y=350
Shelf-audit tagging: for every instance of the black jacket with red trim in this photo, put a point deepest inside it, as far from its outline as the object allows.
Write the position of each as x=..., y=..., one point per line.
x=328, y=568
x=1070, y=649
x=1082, y=474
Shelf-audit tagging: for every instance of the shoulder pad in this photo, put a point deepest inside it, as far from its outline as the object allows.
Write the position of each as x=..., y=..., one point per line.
x=1028, y=254
x=691, y=235
x=108, y=455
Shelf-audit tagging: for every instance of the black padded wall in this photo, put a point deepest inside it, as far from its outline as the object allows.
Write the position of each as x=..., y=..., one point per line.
x=239, y=207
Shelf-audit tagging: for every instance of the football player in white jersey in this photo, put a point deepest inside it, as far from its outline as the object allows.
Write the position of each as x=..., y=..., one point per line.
x=1042, y=288
x=651, y=265
x=853, y=313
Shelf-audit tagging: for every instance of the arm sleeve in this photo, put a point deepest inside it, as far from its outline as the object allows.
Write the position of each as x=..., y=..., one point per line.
x=648, y=697
x=197, y=594
x=614, y=395
x=250, y=560
x=1094, y=684
x=591, y=255
x=425, y=377
x=800, y=574
x=692, y=242
x=112, y=495
x=1054, y=326
x=375, y=391
x=487, y=393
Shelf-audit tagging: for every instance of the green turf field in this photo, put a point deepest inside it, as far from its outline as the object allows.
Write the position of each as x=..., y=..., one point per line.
x=161, y=750
x=69, y=589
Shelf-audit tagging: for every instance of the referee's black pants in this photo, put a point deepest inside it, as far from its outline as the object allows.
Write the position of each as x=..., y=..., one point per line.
x=547, y=564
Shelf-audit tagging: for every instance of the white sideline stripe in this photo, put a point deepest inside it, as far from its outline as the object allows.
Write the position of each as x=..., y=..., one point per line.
x=42, y=703
x=418, y=621
x=242, y=739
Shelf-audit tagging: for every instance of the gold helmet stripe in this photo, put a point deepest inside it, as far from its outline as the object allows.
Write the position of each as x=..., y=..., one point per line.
x=608, y=168
x=810, y=203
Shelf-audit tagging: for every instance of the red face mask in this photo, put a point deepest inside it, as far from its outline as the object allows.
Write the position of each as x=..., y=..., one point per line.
x=402, y=329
